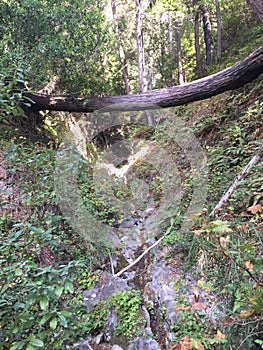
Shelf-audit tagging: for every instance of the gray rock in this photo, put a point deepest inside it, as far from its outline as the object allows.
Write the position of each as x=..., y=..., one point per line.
x=116, y=347
x=144, y=344
x=127, y=222
x=104, y=288
x=82, y=346
x=98, y=339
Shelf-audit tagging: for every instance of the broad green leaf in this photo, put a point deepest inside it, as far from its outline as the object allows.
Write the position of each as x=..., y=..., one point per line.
x=36, y=229
x=53, y=323
x=44, y=302
x=66, y=313
x=69, y=286
x=18, y=345
x=45, y=318
x=63, y=320
x=30, y=347
x=59, y=291
x=18, y=272
x=36, y=342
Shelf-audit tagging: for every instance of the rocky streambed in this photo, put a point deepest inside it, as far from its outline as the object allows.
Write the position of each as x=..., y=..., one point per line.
x=164, y=286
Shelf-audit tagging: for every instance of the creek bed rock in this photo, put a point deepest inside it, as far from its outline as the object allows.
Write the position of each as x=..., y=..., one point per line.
x=156, y=278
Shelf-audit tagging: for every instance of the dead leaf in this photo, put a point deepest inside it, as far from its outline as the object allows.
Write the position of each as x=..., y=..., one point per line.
x=255, y=209
x=243, y=227
x=199, y=306
x=196, y=345
x=196, y=295
x=249, y=266
x=246, y=313
x=183, y=308
x=3, y=173
x=223, y=241
x=229, y=320
x=185, y=343
x=219, y=335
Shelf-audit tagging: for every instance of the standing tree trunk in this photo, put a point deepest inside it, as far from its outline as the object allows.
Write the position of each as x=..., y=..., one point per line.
x=209, y=45
x=199, y=66
x=150, y=114
x=179, y=53
x=150, y=74
x=161, y=58
x=170, y=31
x=141, y=59
x=219, y=31
x=122, y=56
x=257, y=7
x=140, y=48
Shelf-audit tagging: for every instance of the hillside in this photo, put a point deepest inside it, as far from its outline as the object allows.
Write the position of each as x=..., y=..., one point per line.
x=107, y=241
x=222, y=254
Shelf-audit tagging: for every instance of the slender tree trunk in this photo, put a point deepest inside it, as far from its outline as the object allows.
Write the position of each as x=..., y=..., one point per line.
x=170, y=32
x=257, y=7
x=209, y=45
x=140, y=48
x=141, y=59
x=150, y=75
x=150, y=114
x=219, y=31
x=162, y=49
x=122, y=56
x=199, y=66
x=179, y=54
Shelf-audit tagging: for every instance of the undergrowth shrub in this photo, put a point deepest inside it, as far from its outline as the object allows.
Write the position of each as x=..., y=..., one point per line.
x=39, y=303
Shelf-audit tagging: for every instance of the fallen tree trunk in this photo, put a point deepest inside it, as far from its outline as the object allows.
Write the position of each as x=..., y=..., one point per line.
x=230, y=78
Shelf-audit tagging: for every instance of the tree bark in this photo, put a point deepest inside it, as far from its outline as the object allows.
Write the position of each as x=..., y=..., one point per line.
x=161, y=58
x=207, y=26
x=228, y=79
x=179, y=54
x=199, y=65
x=140, y=48
x=257, y=7
x=219, y=31
x=150, y=114
x=122, y=56
x=170, y=32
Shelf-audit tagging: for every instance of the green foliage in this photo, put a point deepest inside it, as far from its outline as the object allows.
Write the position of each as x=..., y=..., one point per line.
x=232, y=125
x=230, y=248
x=127, y=306
x=40, y=296
x=39, y=308
x=193, y=324
x=87, y=280
x=68, y=42
x=11, y=94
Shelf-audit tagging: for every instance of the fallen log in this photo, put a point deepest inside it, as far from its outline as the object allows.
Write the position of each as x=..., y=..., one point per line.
x=230, y=78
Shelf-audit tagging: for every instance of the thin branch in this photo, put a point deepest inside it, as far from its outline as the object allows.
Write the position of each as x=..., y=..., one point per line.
x=111, y=264
x=140, y=257
x=235, y=184
x=249, y=336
